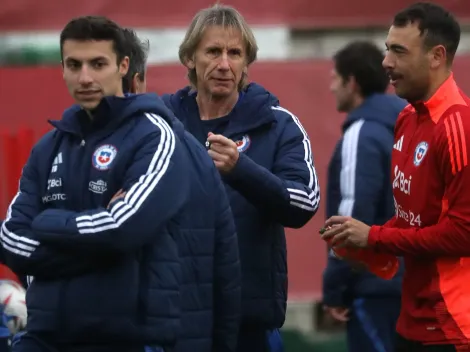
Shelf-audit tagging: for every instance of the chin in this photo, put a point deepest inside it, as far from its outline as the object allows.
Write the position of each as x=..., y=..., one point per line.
x=222, y=92
x=88, y=105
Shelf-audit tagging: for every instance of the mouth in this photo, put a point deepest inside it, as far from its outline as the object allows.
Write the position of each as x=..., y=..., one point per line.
x=394, y=78
x=223, y=80
x=88, y=93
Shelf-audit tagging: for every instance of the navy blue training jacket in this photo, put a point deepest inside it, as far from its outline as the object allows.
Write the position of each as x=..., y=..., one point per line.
x=272, y=186
x=211, y=276
x=359, y=185
x=104, y=273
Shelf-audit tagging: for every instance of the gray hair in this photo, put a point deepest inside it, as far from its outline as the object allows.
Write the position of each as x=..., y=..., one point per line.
x=217, y=15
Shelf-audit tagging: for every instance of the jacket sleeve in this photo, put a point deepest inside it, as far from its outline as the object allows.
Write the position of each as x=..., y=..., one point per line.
x=227, y=278
x=156, y=191
x=290, y=192
x=22, y=251
x=363, y=151
x=450, y=236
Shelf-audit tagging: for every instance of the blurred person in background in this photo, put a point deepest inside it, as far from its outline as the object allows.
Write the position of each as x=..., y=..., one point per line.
x=263, y=154
x=97, y=212
x=211, y=282
x=431, y=186
x=359, y=185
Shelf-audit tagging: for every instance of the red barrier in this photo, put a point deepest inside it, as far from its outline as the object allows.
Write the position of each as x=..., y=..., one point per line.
x=302, y=87
x=54, y=14
x=14, y=150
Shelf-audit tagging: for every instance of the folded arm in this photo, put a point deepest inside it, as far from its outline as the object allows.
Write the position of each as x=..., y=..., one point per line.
x=156, y=190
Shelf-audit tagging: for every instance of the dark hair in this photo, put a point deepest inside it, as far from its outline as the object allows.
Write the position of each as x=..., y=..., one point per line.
x=91, y=28
x=137, y=50
x=436, y=24
x=363, y=61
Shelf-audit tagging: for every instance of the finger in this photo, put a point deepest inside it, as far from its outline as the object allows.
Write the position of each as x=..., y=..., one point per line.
x=219, y=164
x=221, y=149
x=217, y=156
x=218, y=138
x=338, y=316
x=336, y=220
x=340, y=237
x=331, y=232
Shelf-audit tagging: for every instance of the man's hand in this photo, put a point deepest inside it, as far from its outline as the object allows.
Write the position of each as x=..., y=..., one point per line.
x=338, y=313
x=119, y=194
x=223, y=152
x=348, y=232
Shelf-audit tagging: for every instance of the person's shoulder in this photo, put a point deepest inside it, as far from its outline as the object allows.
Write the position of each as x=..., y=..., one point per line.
x=46, y=140
x=283, y=115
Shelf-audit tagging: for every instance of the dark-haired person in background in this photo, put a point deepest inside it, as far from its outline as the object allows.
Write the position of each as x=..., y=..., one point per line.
x=432, y=222
x=359, y=185
x=211, y=280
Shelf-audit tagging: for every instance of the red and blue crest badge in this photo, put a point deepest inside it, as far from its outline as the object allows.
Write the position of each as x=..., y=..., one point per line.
x=420, y=152
x=243, y=144
x=104, y=156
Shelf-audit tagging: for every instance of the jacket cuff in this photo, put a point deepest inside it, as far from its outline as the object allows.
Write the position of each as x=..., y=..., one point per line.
x=240, y=169
x=374, y=236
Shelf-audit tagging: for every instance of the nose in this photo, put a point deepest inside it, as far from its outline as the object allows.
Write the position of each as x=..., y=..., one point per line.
x=387, y=62
x=85, y=77
x=224, y=63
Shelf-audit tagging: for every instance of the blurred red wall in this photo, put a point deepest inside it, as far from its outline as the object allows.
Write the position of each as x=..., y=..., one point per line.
x=54, y=14
x=28, y=96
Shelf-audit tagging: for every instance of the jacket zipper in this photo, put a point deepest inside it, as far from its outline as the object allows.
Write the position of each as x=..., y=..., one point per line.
x=63, y=292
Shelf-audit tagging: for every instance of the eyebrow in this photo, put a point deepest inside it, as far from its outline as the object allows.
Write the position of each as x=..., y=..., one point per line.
x=94, y=59
x=396, y=47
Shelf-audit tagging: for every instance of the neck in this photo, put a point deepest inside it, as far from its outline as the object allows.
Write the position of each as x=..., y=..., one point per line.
x=440, y=78
x=212, y=108
x=356, y=102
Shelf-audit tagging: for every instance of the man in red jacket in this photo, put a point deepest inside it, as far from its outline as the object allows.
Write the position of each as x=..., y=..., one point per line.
x=431, y=184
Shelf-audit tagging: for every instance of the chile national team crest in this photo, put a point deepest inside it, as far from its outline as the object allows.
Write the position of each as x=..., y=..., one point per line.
x=243, y=144
x=420, y=152
x=104, y=156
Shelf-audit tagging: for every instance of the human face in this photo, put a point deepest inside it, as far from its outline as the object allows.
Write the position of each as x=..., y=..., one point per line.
x=343, y=91
x=91, y=72
x=219, y=60
x=407, y=62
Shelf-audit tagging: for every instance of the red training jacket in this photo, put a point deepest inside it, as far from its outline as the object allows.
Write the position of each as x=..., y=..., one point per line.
x=431, y=229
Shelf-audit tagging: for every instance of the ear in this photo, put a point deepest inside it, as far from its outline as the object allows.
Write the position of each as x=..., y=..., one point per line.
x=124, y=66
x=138, y=86
x=190, y=64
x=438, y=56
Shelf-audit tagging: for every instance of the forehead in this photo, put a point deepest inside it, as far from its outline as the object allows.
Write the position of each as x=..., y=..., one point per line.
x=88, y=50
x=222, y=37
x=407, y=36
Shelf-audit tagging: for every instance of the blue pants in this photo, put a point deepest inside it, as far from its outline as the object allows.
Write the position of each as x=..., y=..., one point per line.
x=4, y=344
x=372, y=325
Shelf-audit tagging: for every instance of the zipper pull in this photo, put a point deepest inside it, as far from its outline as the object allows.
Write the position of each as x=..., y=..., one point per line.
x=82, y=143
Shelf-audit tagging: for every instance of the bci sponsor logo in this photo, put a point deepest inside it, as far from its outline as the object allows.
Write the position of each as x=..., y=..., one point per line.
x=402, y=182
x=54, y=182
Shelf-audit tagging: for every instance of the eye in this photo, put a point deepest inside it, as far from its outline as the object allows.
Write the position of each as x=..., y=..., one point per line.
x=73, y=65
x=235, y=52
x=98, y=64
x=213, y=51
